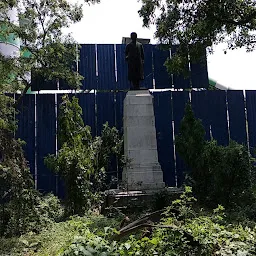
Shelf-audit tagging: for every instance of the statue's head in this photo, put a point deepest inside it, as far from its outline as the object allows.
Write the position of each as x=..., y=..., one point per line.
x=134, y=36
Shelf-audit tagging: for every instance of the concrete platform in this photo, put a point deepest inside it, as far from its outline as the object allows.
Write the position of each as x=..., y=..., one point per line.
x=136, y=199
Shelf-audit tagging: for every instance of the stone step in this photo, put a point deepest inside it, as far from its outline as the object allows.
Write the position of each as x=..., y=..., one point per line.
x=128, y=200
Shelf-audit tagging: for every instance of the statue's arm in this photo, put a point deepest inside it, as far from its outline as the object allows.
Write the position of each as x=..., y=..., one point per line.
x=142, y=53
x=126, y=52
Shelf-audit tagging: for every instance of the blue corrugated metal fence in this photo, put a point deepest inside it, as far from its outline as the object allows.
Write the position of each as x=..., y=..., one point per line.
x=225, y=116
x=104, y=68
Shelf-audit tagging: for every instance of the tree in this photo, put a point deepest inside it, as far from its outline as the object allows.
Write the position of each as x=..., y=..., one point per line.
x=40, y=31
x=198, y=24
x=82, y=161
x=219, y=174
x=51, y=56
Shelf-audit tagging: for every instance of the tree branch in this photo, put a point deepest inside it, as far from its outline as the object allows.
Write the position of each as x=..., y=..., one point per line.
x=23, y=92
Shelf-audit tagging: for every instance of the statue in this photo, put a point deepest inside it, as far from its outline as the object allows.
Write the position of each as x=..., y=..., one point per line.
x=134, y=55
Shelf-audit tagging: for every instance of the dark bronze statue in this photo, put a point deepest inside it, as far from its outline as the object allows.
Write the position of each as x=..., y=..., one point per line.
x=134, y=55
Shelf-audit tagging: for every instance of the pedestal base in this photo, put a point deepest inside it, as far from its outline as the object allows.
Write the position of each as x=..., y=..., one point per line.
x=144, y=177
x=140, y=147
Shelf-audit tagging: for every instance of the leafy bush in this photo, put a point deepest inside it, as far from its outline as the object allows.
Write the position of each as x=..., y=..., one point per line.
x=32, y=213
x=181, y=232
x=220, y=174
x=22, y=208
x=186, y=233
x=82, y=161
x=17, y=192
x=90, y=244
x=112, y=148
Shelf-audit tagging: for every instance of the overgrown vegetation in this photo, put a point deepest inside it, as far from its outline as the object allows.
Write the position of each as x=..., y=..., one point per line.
x=180, y=232
x=219, y=174
x=22, y=208
x=34, y=225
x=51, y=54
x=82, y=160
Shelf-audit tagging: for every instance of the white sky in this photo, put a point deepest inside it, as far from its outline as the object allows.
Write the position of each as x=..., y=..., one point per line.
x=111, y=20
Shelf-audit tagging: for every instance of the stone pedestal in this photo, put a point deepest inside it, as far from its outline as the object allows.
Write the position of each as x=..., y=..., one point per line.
x=143, y=171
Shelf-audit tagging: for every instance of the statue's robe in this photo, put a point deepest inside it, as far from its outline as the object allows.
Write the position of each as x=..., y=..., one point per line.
x=134, y=54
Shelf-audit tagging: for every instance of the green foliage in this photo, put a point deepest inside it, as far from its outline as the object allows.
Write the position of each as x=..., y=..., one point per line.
x=76, y=158
x=15, y=179
x=51, y=56
x=82, y=161
x=22, y=208
x=198, y=24
x=7, y=121
x=111, y=147
x=188, y=233
x=160, y=200
x=50, y=209
x=183, y=204
x=191, y=143
x=220, y=174
x=32, y=212
x=51, y=53
x=90, y=244
x=40, y=31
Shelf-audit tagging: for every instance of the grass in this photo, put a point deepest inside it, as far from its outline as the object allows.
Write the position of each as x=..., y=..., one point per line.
x=54, y=239
x=48, y=242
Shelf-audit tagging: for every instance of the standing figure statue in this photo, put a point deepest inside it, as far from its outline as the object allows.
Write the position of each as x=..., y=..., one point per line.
x=134, y=55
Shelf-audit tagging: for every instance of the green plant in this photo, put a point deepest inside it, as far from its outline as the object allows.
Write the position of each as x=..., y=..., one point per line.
x=112, y=148
x=187, y=232
x=161, y=199
x=196, y=25
x=76, y=158
x=91, y=245
x=32, y=212
x=219, y=174
x=82, y=161
x=17, y=193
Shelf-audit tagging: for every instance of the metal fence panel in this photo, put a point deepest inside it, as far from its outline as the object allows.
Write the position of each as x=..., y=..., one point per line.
x=87, y=103
x=148, y=67
x=122, y=69
x=26, y=128
x=218, y=116
x=120, y=96
x=199, y=102
x=237, y=120
x=87, y=66
x=164, y=133
x=106, y=67
x=105, y=110
x=180, y=100
x=46, y=141
x=162, y=78
x=251, y=118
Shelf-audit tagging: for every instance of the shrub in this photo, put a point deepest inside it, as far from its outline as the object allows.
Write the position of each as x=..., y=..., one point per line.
x=82, y=160
x=181, y=232
x=220, y=174
x=186, y=232
x=17, y=192
x=22, y=207
x=32, y=212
